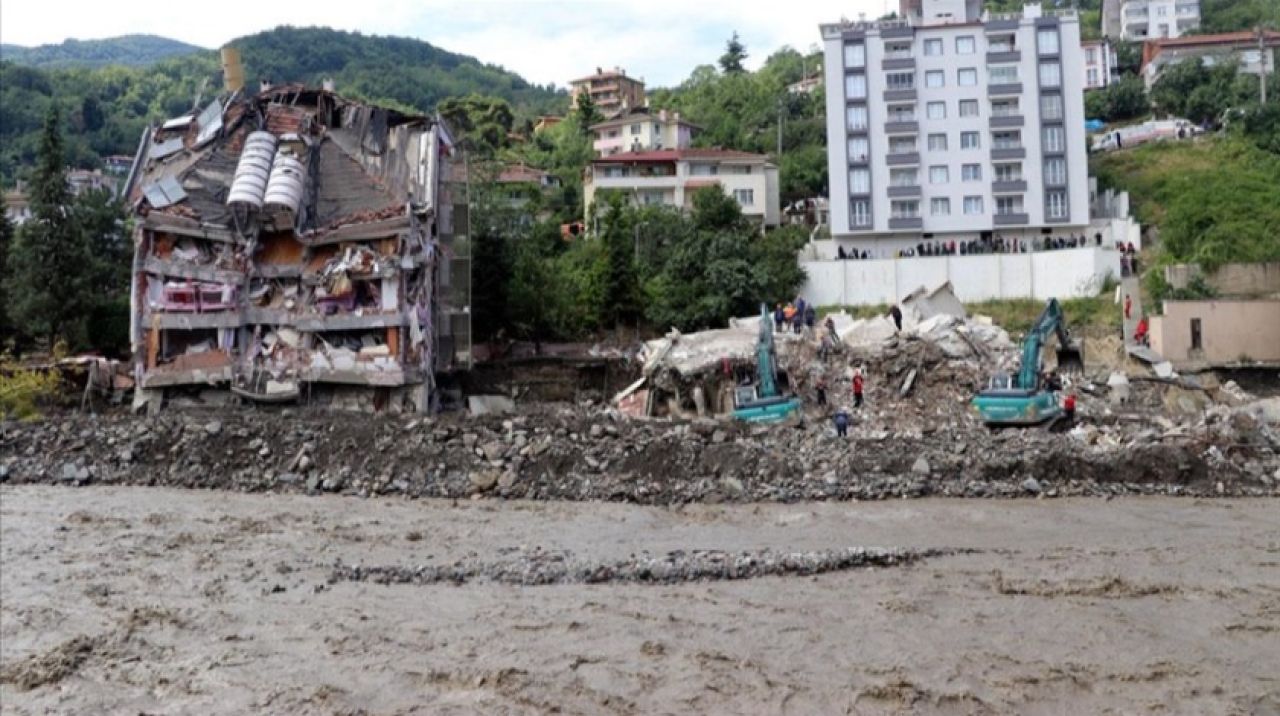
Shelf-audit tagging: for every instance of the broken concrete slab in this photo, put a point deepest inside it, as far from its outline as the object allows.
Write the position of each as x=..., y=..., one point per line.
x=490, y=405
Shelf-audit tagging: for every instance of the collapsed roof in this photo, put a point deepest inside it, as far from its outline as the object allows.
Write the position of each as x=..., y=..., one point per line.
x=358, y=163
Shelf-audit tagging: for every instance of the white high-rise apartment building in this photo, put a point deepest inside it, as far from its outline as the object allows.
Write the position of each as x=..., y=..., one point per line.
x=1149, y=19
x=954, y=125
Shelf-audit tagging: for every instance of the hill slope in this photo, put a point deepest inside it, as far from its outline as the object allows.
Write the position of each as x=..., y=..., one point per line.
x=127, y=50
x=106, y=107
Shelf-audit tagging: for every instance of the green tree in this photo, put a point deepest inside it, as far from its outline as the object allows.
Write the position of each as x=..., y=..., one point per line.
x=735, y=53
x=619, y=234
x=586, y=113
x=483, y=122
x=49, y=284
x=1125, y=98
x=6, y=245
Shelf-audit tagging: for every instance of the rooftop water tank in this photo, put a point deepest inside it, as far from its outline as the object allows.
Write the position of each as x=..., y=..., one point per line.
x=286, y=183
x=250, y=182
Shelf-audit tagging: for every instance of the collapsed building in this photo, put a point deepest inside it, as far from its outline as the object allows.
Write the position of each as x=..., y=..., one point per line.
x=293, y=243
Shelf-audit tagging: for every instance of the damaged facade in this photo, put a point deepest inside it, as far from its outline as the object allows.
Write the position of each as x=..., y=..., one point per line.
x=293, y=242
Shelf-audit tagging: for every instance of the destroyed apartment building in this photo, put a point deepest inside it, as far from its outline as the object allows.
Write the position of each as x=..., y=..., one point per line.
x=295, y=244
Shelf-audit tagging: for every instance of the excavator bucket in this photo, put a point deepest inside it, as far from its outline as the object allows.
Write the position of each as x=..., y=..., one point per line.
x=1071, y=358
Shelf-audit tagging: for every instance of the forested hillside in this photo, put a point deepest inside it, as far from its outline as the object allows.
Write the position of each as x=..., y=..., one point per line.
x=126, y=50
x=105, y=108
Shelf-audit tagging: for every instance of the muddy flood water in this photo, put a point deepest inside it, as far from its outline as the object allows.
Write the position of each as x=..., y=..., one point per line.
x=159, y=601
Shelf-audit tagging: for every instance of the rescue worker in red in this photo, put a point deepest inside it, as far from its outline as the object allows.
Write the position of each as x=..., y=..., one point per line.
x=1140, y=332
x=1069, y=407
x=857, y=388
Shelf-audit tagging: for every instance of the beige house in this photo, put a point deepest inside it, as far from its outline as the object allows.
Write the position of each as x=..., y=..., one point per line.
x=669, y=177
x=639, y=130
x=1218, y=332
x=612, y=91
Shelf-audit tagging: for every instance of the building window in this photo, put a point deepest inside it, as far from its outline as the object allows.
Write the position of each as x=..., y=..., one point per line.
x=651, y=198
x=1051, y=106
x=1006, y=205
x=635, y=129
x=1050, y=74
x=904, y=209
x=1006, y=140
x=1009, y=172
x=1003, y=75
x=965, y=45
x=1162, y=11
x=900, y=80
x=745, y=197
x=932, y=47
x=968, y=108
x=897, y=51
x=859, y=181
x=1005, y=108
x=967, y=77
x=855, y=56
x=703, y=170
x=1092, y=77
x=615, y=172
x=1197, y=338
x=1054, y=139
x=856, y=119
x=940, y=206
x=855, y=86
x=858, y=149
x=1055, y=171
x=860, y=212
x=933, y=78
x=902, y=145
x=972, y=205
x=1047, y=41
x=936, y=110
x=902, y=113
x=939, y=174
x=937, y=142
x=904, y=177
x=1091, y=56
x=970, y=140
x=1056, y=204
x=971, y=172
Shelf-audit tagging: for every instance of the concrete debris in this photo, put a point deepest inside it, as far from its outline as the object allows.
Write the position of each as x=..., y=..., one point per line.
x=1164, y=369
x=479, y=405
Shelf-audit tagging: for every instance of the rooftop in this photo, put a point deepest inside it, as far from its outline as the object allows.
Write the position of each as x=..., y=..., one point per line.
x=672, y=155
x=645, y=114
x=1244, y=40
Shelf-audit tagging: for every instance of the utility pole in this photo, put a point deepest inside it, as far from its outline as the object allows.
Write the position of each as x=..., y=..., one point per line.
x=780, y=104
x=1262, y=64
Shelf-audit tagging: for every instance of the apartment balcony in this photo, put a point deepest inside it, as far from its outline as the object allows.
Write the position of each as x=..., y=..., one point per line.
x=1008, y=152
x=635, y=182
x=902, y=159
x=894, y=61
x=903, y=126
x=1006, y=120
x=904, y=30
x=900, y=95
x=1012, y=219
x=904, y=191
x=1058, y=182
x=1002, y=22
x=995, y=57
x=859, y=160
x=1006, y=88
x=906, y=222
x=1009, y=186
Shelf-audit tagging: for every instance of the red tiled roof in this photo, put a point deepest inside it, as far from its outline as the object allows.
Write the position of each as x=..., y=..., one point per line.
x=672, y=155
x=1244, y=40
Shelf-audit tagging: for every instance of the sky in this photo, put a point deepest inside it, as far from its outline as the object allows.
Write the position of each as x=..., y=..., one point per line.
x=545, y=41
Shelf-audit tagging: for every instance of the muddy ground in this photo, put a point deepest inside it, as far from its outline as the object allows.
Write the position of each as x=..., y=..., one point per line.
x=137, y=600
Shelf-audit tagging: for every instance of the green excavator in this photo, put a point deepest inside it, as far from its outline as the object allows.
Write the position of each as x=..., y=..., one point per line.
x=1029, y=398
x=762, y=401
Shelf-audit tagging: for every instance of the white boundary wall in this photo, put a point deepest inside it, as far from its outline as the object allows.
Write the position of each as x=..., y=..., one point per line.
x=1066, y=273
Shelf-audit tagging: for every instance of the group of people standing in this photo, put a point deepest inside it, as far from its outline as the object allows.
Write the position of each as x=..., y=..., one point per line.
x=978, y=247
x=796, y=315
x=1128, y=259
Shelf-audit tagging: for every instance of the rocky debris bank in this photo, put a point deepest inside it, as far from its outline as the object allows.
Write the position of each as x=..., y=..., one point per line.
x=574, y=453
x=542, y=568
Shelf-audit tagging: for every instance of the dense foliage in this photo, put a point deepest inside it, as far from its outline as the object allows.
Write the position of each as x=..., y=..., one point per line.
x=1237, y=15
x=643, y=266
x=1126, y=98
x=67, y=270
x=126, y=50
x=1202, y=94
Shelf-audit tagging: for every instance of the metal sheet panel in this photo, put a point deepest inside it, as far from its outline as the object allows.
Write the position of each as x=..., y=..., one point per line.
x=164, y=192
x=166, y=148
x=210, y=121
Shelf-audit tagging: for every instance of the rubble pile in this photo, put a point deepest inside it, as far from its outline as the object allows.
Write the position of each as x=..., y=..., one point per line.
x=540, y=567
x=580, y=453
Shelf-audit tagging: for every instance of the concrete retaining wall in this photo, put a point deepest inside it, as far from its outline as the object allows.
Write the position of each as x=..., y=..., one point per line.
x=1069, y=273
x=1256, y=279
